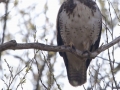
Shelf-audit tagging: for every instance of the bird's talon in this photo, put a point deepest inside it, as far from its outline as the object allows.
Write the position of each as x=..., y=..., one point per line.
x=88, y=52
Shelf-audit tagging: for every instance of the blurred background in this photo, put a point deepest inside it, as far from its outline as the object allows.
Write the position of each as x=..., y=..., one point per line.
x=35, y=21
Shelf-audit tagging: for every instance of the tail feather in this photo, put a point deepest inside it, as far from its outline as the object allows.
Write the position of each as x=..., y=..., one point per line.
x=77, y=77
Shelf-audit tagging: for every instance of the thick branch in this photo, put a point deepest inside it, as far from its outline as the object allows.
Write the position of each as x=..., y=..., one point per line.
x=15, y=46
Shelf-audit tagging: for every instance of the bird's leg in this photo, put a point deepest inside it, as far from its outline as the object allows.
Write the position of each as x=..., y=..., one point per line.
x=71, y=44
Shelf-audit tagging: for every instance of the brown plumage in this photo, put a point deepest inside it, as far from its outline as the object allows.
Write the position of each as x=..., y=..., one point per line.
x=79, y=22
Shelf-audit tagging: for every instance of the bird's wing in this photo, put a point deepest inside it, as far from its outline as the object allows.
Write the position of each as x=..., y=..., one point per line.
x=96, y=45
x=59, y=39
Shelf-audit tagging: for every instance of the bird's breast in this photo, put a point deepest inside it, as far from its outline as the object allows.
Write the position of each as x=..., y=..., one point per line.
x=81, y=27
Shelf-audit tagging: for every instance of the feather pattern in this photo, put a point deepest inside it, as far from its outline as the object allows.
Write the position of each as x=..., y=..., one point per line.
x=79, y=22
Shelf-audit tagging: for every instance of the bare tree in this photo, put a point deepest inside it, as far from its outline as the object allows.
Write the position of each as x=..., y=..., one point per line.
x=34, y=60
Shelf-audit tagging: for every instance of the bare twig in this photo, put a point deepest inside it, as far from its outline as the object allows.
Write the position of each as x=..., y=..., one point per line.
x=5, y=19
x=111, y=64
x=2, y=1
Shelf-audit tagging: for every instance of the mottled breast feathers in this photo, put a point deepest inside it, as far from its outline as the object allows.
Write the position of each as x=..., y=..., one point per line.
x=79, y=22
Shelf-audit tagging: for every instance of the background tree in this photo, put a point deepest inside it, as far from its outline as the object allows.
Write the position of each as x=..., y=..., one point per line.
x=34, y=21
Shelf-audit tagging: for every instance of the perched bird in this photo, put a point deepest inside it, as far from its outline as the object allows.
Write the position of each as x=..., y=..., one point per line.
x=79, y=23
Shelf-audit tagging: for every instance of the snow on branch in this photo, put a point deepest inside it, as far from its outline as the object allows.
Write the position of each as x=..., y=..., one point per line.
x=19, y=46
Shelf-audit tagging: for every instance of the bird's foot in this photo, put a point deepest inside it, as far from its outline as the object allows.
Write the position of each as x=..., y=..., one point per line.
x=71, y=45
x=88, y=52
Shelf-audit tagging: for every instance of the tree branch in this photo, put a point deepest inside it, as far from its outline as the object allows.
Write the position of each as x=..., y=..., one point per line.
x=18, y=46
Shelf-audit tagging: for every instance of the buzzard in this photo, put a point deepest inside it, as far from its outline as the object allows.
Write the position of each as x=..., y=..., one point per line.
x=79, y=23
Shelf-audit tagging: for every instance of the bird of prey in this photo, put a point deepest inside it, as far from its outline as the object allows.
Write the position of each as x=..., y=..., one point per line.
x=79, y=23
